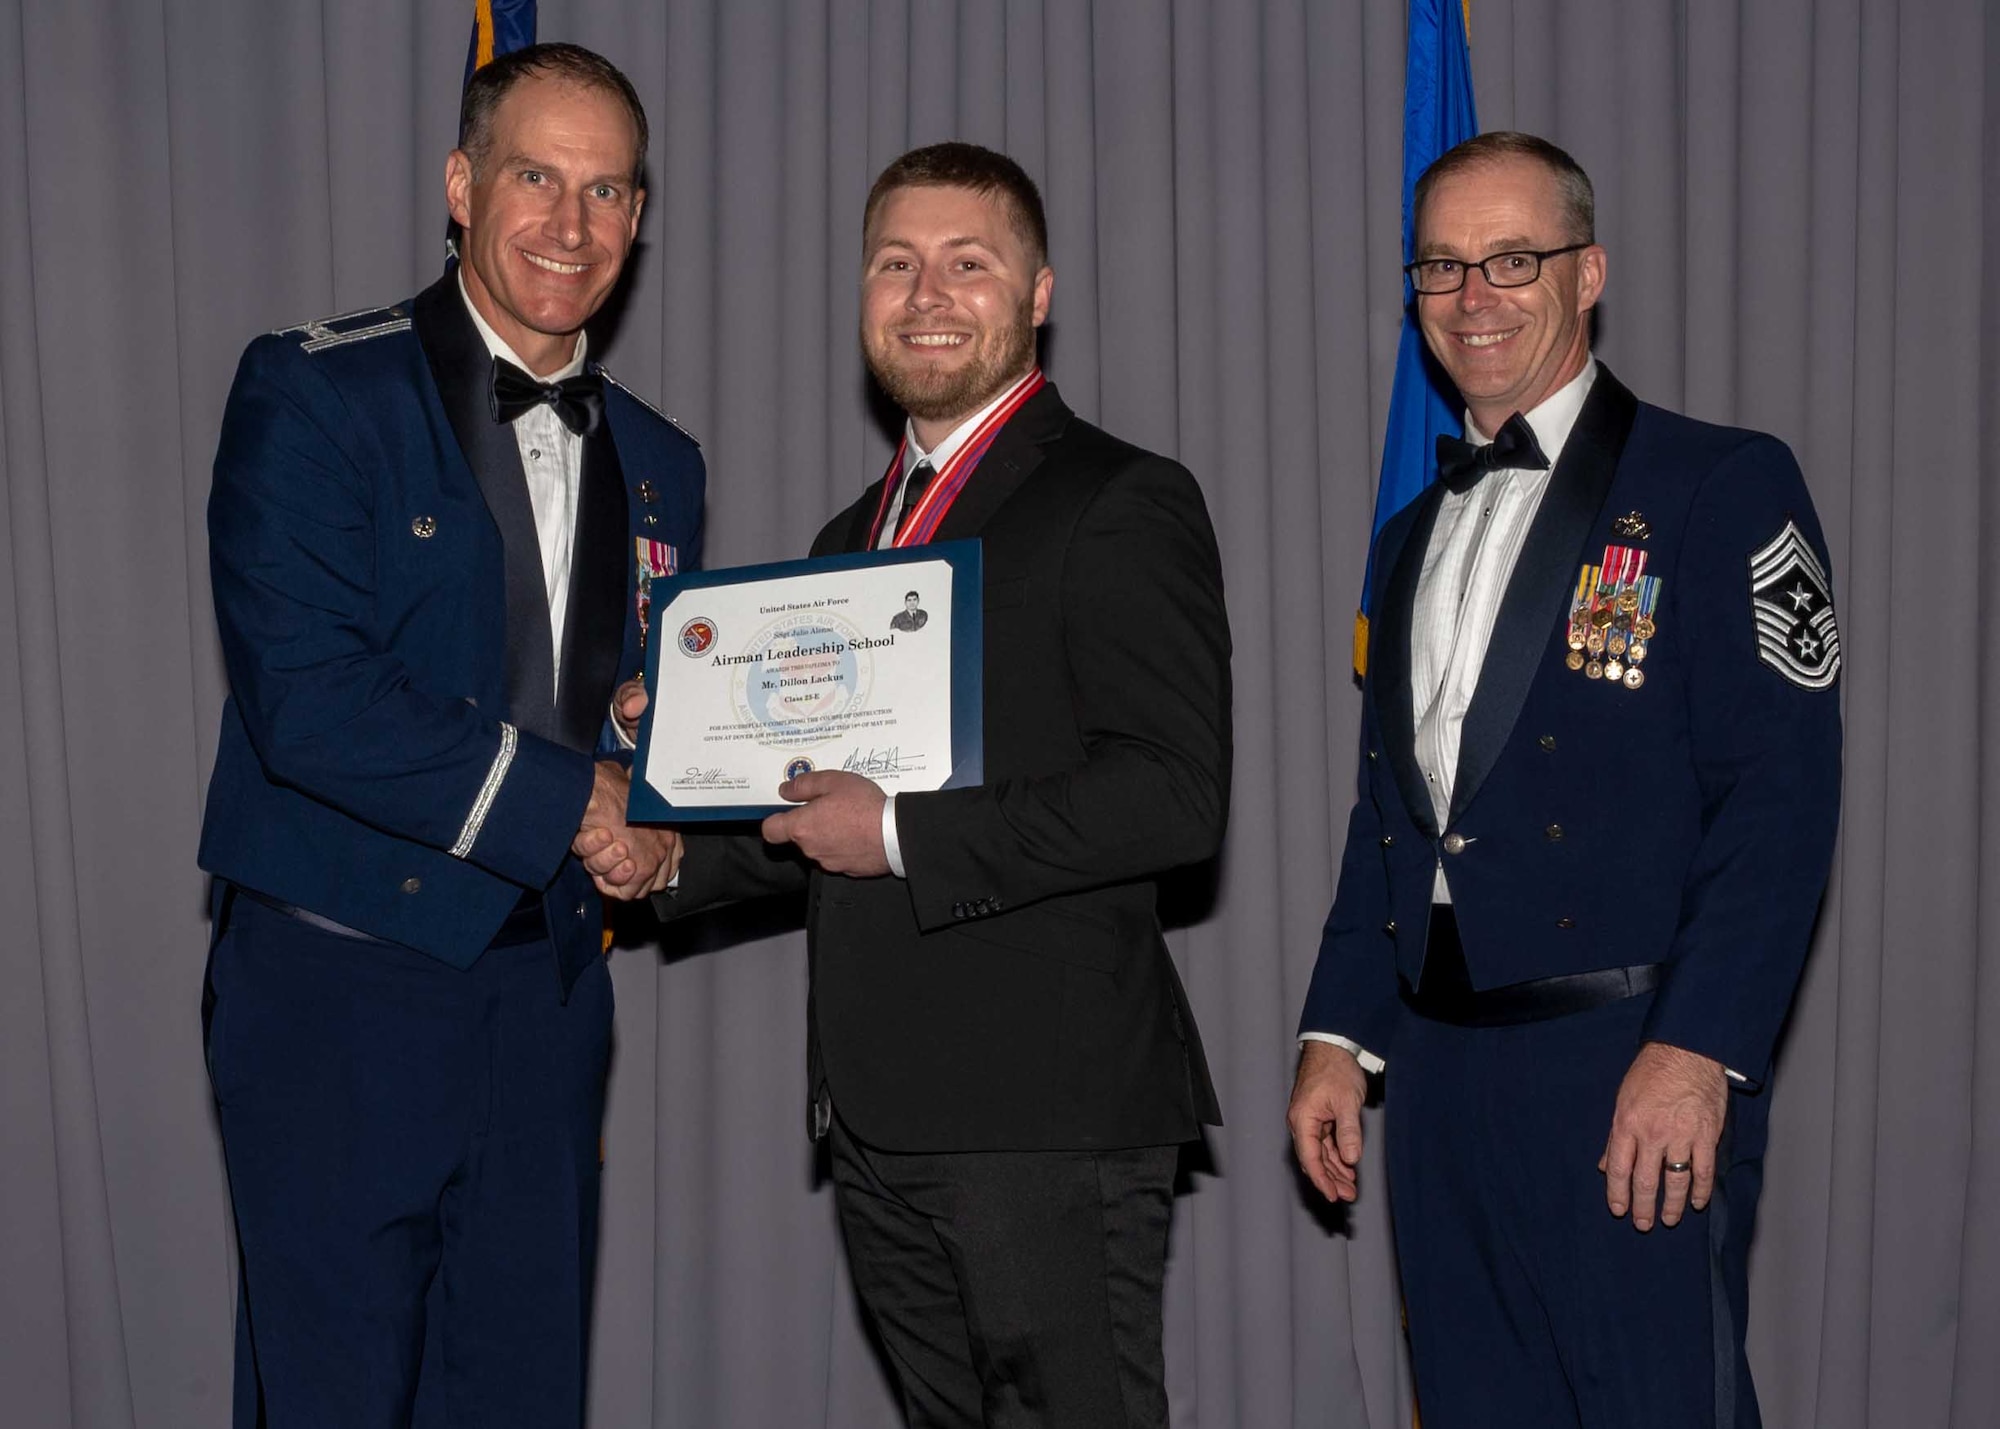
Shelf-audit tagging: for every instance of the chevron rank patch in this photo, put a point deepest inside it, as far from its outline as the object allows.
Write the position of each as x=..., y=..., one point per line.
x=1792, y=601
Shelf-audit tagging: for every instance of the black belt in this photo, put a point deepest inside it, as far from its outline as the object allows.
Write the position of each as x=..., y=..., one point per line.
x=1445, y=993
x=527, y=923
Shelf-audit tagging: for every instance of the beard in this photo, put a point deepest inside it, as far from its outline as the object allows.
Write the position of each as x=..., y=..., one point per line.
x=917, y=386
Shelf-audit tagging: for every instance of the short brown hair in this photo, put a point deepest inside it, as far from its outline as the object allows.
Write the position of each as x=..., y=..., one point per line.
x=957, y=165
x=1579, y=200
x=571, y=63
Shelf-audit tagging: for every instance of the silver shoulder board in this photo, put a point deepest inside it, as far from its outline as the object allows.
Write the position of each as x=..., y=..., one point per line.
x=647, y=405
x=343, y=328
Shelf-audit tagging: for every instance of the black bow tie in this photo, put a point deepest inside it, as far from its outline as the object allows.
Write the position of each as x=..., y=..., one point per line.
x=578, y=400
x=1461, y=464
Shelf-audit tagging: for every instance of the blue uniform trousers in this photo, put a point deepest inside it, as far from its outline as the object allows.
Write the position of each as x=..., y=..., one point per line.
x=401, y=1133
x=1529, y=1304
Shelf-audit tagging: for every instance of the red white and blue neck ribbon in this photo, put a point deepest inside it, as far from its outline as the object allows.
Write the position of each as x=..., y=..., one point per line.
x=919, y=526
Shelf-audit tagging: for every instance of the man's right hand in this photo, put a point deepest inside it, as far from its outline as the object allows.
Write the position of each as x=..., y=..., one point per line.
x=1325, y=1117
x=625, y=861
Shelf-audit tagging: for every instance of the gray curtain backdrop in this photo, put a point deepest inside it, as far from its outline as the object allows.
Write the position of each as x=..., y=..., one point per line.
x=1800, y=204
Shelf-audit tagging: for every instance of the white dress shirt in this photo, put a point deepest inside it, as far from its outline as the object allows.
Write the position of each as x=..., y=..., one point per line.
x=552, y=460
x=1470, y=560
x=939, y=456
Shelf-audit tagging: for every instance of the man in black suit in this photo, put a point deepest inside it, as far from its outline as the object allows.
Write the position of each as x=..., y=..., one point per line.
x=1001, y=1051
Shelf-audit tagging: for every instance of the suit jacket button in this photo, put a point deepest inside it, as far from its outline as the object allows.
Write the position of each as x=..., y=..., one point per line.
x=1389, y=928
x=1454, y=843
x=413, y=885
x=1388, y=841
x=1371, y=756
x=1565, y=922
x=1548, y=742
x=583, y=910
x=1554, y=832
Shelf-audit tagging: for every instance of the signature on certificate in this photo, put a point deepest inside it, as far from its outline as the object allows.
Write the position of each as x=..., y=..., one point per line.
x=695, y=777
x=878, y=761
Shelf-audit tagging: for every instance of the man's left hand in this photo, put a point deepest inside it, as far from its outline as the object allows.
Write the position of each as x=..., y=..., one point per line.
x=1670, y=1111
x=838, y=827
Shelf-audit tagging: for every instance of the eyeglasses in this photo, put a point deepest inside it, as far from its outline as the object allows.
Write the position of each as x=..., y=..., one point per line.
x=1432, y=276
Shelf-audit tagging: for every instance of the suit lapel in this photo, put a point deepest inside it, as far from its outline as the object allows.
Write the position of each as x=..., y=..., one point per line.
x=461, y=367
x=1016, y=451
x=1390, y=658
x=594, y=620
x=1544, y=577
x=862, y=518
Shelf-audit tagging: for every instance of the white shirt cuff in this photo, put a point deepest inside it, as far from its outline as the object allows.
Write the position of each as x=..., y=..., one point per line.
x=892, y=849
x=1368, y=1060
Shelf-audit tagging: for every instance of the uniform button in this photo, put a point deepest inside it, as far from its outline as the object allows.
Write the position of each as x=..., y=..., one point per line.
x=413, y=885
x=998, y=905
x=1549, y=743
x=1454, y=843
x=1371, y=756
x=1389, y=928
x=958, y=910
x=1388, y=841
x=1565, y=922
x=582, y=910
x=1554, y=832
x=424, y=527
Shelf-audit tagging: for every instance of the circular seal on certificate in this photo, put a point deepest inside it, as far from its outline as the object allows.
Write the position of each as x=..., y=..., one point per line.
x=696, y=636
x=806, y=680
x=798, y=765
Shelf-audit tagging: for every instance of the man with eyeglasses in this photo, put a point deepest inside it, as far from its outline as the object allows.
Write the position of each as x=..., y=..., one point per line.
x=1599, y=785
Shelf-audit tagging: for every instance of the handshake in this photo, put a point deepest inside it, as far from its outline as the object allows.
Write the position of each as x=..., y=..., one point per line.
x=625, y=862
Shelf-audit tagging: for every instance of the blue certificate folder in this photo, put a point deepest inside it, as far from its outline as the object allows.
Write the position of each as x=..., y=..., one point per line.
x=669, y=642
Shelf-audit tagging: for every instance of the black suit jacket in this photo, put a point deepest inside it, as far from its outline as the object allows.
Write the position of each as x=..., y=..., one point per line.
x=1014, y=992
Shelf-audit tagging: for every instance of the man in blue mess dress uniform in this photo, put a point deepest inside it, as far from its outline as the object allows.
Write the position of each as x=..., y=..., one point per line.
x=1599, y=784
x=432, y=531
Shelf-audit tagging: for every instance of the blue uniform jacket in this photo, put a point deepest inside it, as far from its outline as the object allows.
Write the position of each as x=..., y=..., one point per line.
x=370, y=769
x=1688, y=822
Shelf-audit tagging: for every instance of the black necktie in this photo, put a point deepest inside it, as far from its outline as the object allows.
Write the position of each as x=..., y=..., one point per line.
x=578, y=400
x=913, y=492
x=1461, y=464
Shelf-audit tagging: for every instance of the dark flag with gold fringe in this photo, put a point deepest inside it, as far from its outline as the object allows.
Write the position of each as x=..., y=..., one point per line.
x=498, y=26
